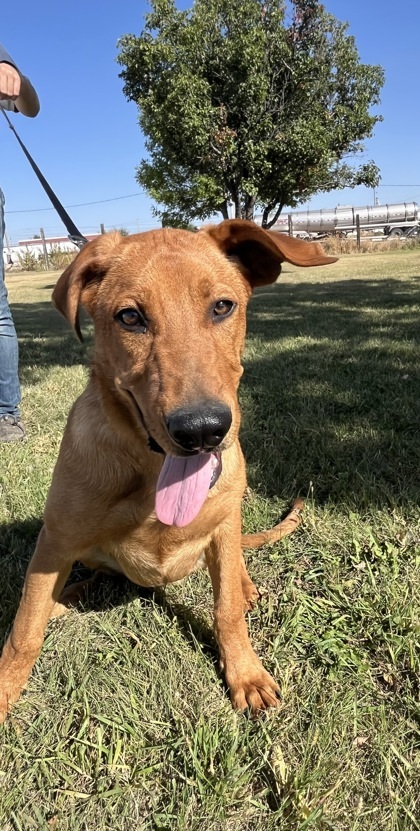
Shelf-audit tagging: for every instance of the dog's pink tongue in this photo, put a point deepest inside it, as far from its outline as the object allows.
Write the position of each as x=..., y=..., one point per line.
x=182, y=487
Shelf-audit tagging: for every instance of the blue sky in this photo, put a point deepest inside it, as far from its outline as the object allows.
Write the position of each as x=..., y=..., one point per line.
x=86, y=139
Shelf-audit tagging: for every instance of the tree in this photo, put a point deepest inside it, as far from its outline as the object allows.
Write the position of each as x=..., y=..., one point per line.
x=251, y=102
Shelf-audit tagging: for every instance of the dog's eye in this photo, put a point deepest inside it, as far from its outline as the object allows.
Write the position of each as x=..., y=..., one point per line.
x=132, y=319
x=223, y=308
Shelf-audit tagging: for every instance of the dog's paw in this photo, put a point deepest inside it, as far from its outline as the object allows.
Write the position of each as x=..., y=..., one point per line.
x=254, y=690
x=15, y=669
x=251, y=595
x=59, y=609
x=8, y=696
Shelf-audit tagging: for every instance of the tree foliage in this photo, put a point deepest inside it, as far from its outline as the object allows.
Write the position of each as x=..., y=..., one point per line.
x=251, y=102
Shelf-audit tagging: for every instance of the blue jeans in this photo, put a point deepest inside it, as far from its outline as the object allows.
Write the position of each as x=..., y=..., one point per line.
x=9, y=351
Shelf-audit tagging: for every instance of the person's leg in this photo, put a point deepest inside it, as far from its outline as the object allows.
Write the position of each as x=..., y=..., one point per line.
x=11, y=426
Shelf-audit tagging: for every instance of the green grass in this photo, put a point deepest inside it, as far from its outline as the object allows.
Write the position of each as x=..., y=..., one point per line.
x=125, y=722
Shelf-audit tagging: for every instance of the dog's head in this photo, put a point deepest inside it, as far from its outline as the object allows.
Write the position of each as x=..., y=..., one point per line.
x=169, y=315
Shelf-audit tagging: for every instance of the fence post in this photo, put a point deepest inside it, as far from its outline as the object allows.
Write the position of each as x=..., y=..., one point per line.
x=44, y=245
x=290, y=224
x=102, y=228
x=358, y=231
x=9, y=254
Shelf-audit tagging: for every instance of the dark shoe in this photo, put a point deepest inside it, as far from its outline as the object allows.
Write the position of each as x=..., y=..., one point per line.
x=12, y=428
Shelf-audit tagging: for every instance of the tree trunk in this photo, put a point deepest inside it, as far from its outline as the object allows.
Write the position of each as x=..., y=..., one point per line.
x=236, y=198
x=266, y=212
x=270, y=223
x=248, y=209
x=223, y=208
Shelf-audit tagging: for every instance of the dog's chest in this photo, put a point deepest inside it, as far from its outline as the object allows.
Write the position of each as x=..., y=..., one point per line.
x=151, y=559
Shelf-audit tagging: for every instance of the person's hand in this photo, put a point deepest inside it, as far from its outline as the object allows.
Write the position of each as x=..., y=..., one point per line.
x=10, y=82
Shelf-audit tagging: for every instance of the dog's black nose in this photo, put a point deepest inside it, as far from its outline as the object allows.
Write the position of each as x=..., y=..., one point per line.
x=201, y=428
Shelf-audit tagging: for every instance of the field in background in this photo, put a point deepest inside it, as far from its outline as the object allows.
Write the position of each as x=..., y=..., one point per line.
x=125, y=722
x=58, y=258
x=369, y=245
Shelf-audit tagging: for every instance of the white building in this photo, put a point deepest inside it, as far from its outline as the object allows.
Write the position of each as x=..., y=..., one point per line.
x=36, y=247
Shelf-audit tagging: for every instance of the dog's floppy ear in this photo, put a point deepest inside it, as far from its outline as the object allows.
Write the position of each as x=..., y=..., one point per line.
x=83, y=276
x=261, y=253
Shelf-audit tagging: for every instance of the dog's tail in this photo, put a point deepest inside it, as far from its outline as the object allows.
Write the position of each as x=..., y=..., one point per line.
x=285, y=527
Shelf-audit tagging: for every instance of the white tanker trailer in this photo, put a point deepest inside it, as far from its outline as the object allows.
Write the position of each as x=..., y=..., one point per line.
x=394, y=220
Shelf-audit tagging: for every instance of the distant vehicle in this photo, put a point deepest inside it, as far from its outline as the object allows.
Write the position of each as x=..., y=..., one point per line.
x=393, y=220
x=413, y=233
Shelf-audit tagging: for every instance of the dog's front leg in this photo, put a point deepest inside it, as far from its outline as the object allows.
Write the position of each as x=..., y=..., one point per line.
x=250, y=685
x=46, y=576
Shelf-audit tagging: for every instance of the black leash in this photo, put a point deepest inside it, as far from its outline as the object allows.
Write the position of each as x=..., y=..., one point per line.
x=74, y=233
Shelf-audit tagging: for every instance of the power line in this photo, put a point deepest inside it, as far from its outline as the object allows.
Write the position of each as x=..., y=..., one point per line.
x=78, y=205
x=132, y=225
x=139, y=193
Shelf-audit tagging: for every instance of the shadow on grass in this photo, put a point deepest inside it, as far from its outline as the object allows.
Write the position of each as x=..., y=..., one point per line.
x=46, y=340
x=331, y=391
x=18, y=540
x=17, y=543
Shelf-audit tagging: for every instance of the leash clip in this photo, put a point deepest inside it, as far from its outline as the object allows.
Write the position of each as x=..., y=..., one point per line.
x=78, y=240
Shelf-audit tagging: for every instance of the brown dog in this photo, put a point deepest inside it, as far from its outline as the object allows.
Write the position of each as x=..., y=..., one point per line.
x=150, y=474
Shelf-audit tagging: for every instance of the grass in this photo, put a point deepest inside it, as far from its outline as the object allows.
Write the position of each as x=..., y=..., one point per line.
x=125, y=722
x=348, y=245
